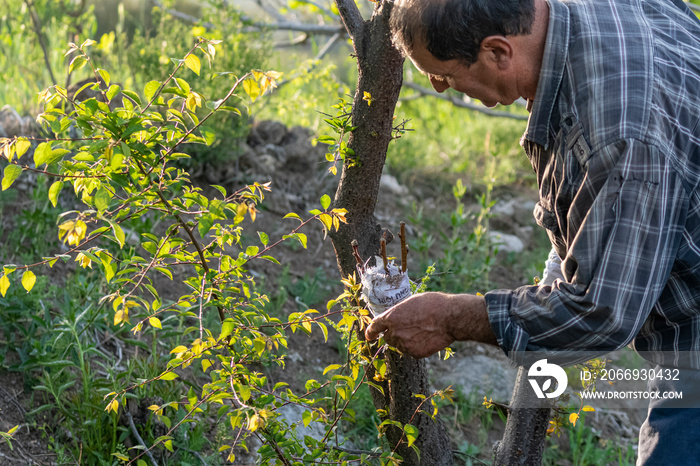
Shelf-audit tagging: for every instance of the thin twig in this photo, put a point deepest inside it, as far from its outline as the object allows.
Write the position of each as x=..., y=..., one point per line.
x=404, y=248
x=13, y=400
x=300, y=39
x=320, y=7
x=182, y=16
x=385, y=259
x=371, y=454
x=300, y=27
x=138, y=437
x=37, y=29
x=356, y=252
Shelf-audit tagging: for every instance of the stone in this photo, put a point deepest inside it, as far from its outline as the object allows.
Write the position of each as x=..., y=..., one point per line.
x=505, y=242
x=11, y=124
x=481, y=374
x=267, y=132
x=391, y=184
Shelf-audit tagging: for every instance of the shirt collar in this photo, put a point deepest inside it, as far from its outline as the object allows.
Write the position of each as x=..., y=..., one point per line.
x=555, y=53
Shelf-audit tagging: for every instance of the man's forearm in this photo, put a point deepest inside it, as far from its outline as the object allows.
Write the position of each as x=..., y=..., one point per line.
x=469, y=315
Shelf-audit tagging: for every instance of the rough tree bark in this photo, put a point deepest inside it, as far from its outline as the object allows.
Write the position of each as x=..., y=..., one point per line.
x=381, y=74
x=526, y=429
x=380, y=69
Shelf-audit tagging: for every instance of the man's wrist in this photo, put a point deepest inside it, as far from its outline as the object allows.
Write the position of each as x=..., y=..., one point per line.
x=469, y=319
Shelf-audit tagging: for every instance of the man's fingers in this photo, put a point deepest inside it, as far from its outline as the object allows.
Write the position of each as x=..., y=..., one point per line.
x=375, y=329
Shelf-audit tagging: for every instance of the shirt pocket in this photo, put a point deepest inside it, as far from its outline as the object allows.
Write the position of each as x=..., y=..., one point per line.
x=561, y=180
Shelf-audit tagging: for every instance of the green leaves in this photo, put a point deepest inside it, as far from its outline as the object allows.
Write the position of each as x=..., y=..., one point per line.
x=411, y=433
x=28, y=280
x=42, y=153
x=10, y=174
x=77, y=63
x=192, y=62
x=226, y=328
x=251, y=88
x=208, y=135
x=112, y=91
x=150, y=90
x=301, y=237
x=54, y=191
x=4, y=284
x=168, y=376
x=128, y=186
x=45, y=154
x=155, y=322
x=118, y=233
x=21, y=146
x=102, y=199
x=105, y=76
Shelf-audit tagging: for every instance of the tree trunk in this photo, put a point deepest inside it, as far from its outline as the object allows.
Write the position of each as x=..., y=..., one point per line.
x=381, y=74
x=526, y=429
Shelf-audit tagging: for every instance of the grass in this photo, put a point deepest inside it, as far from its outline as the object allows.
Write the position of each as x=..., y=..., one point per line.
x=585, y=447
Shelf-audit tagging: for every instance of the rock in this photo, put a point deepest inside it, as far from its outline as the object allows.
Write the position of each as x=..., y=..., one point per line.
x=258, y=162
x=302, y=156
x=275, y=151
x=11, y=124
x=517, y=209
x=504, y=208
x=267, y=132
x=479, y=373
x=391, y=184
x=505, y=242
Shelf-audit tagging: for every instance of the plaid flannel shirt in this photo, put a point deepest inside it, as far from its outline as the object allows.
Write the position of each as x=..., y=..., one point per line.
x=614, y=138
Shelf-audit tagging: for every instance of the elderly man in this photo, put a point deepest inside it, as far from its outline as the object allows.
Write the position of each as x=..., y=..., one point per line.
x=613, y=88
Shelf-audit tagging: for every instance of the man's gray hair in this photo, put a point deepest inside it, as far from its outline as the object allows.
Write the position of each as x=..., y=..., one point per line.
x=454, y=29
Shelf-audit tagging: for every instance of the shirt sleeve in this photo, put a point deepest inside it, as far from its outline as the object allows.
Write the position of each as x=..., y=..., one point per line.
x=616, y=266
x=552, y=269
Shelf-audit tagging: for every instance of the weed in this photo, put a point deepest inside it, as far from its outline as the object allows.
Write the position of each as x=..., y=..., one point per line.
x=464, y=261
x=586, y=447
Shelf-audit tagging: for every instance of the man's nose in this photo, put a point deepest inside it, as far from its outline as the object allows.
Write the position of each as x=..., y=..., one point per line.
x=439, y=85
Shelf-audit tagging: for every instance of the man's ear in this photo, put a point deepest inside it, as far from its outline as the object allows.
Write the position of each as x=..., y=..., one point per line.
x=498, y=50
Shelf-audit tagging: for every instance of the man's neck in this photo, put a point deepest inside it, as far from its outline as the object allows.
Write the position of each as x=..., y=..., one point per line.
x=531, y=51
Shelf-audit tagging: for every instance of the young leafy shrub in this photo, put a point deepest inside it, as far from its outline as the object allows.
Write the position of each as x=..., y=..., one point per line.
x=116, y=154
x=148, y=54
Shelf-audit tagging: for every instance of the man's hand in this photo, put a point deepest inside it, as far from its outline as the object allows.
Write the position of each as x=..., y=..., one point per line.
x=427, y=323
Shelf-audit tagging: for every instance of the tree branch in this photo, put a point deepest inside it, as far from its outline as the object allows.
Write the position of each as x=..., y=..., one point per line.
x=322, y=53
x=140, y=441
x=320, y=7
x=302, y=27
x=283, y=25
x=351, y=16
x=461, y=103
x=300, y=39
x=31, y=9
x=180, y=15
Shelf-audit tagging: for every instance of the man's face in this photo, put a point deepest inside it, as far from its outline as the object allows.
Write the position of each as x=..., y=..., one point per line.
x=482, y=80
